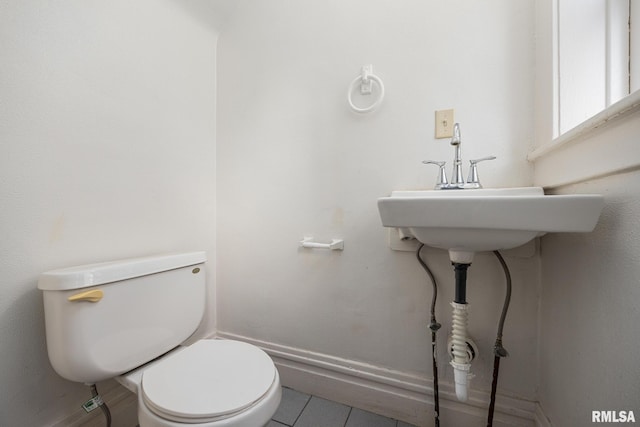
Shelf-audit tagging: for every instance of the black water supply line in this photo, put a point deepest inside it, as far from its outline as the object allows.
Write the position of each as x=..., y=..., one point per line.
x=498, y=350
x=96, y=401
x=434, y=326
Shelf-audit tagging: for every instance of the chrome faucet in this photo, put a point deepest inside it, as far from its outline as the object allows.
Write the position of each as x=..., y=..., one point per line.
x=457, y=179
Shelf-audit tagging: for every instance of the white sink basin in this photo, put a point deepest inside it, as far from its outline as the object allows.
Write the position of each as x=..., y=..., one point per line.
x=467, y=221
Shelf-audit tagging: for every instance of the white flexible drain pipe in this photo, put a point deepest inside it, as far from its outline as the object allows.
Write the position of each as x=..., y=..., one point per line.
x=461, y=363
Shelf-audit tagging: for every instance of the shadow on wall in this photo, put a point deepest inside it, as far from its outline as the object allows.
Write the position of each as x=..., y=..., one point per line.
x=210, y=14
x=24, y=354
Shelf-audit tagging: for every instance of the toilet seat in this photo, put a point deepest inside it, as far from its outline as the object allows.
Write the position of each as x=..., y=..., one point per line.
x=208, y=381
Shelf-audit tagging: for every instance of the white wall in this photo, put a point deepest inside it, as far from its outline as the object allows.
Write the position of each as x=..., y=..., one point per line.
x=590, y=309
x=108, y=151
x=108, y=141
x=293, y=160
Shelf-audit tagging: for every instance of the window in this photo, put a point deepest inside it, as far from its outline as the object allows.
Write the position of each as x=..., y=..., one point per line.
x=596, y=66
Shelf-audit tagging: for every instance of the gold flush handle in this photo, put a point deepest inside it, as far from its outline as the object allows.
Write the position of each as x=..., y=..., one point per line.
x=93, y=295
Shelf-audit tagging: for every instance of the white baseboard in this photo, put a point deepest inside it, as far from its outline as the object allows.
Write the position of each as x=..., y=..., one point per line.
x=395, y=394
x=122, y=404
x=400, y=395
x=541, y=418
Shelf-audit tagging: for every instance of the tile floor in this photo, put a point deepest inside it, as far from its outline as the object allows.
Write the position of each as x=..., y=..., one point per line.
x=302, y=410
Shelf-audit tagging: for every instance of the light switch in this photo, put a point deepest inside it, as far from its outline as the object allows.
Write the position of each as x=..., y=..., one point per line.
x=444, y=123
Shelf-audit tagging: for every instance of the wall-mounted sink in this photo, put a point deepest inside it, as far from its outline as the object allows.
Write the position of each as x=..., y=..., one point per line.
x=468, y=221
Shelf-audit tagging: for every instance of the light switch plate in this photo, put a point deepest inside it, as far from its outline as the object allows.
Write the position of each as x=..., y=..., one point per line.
x=444, y=123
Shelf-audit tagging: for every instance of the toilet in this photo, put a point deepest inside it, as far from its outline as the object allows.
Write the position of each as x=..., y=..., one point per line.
x=132, y=319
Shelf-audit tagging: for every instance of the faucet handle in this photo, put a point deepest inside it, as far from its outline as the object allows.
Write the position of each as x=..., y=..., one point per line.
x=442, y=176
x=473, y=181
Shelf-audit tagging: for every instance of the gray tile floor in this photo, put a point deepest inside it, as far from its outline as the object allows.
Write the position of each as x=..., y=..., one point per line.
x=302, y=410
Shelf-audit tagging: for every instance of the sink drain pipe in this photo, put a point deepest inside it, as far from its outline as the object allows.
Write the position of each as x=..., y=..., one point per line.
x=461, y=362
x=434, y=326
x=461, y=358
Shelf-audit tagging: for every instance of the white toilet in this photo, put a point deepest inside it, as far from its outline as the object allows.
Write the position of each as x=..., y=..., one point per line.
x=127, y=320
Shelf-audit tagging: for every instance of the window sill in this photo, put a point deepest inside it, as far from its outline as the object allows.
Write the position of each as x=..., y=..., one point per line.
x=603, y=145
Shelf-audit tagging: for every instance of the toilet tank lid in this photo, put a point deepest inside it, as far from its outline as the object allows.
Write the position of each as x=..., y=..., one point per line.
x=107, y=272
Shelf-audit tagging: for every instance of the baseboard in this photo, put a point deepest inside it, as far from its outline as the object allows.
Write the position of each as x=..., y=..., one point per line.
x=540, y=417
x=122, y=404
x=400, y=395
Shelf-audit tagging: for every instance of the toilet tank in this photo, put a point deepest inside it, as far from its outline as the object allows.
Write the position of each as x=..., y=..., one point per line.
x=105, y=319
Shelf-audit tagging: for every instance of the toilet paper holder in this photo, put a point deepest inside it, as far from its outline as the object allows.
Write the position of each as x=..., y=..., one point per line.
x=335, y=245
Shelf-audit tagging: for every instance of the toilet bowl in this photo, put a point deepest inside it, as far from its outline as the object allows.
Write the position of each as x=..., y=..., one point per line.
x=212, y=383
x=130, y=320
